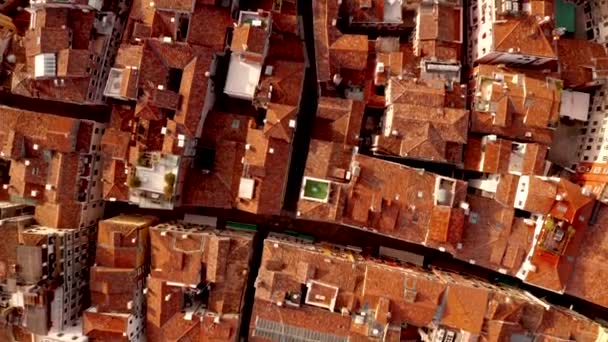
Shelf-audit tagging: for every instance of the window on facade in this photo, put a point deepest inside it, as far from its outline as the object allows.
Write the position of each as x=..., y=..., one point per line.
x=593, y=130
x=588, y=147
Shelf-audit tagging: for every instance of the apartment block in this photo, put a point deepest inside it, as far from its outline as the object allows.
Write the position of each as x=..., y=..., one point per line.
x=197, y=282
x=117, y=280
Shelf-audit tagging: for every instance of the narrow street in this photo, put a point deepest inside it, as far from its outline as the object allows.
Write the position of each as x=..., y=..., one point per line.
x=100, y=113
x=306, y=114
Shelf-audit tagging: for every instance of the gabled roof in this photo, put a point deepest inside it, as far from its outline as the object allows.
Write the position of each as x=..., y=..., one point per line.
x=248, y=38
x=524, y=34
x=193, y=89
x=350, y=51
x=415, y=93
x=450, y=123
x=338, y=120
x=579, y=59
x=278, y=119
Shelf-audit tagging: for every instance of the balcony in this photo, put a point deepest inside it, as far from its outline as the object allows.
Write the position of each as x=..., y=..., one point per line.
x=555, y=236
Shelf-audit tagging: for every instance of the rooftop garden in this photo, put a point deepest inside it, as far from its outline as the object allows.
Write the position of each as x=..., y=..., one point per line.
x=316, y=189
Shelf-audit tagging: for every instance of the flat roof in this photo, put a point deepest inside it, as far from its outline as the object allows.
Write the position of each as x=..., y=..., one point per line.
x=243, y=77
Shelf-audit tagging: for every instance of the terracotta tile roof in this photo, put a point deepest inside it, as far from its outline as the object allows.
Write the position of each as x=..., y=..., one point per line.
x=554, y=257
x=286, y=81
x=446, y=225
x=115, y=144
x=368, y=11
x=48, y=131
x=208, y=26
x=72, y=89
x=266, y=161
x=465, y=307
x=373, y=294
x=220, y=187
x=541, y=195
x=507, y=186
x=191, y=254
x=122, y=241
x=278, y=119
x=393, y=61
x=579, y=59
x=349, y=51
x=52, y=40
x=414, y=93
x=498, y=156
x=589, y=270
x=525, y=104
x=66, y=33
x=450, y=123
x=114, y=179
x=439, y=40
x=325, y=34
x=73, y=63
x=422, y=141
x=338, y=120
x=524, y=34
x=111, y=288
x=161, y=26
x=180, y=5
x=247, y=38
x=193, y=89
x=386, y=201
x=492, y=238
x=104, y=326
x=423, y=132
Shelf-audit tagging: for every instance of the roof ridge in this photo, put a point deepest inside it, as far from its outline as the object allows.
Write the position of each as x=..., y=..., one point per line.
x=506, y=35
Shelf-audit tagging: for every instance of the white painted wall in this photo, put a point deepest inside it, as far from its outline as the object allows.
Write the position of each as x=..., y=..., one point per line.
x=521, y=194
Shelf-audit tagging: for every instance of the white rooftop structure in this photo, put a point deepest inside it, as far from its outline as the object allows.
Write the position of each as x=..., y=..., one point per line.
x=45, y=65
x=575, y=105
x=243, y=77
x=246, y=187
x=392, y=11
